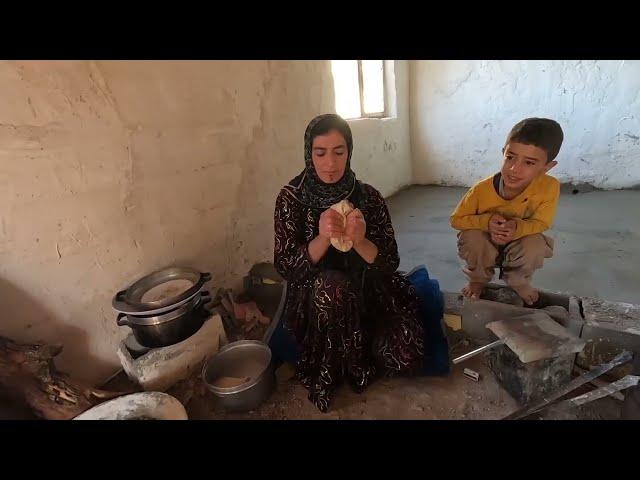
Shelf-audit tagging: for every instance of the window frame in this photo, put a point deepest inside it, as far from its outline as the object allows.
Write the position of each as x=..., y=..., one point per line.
x=382, y=114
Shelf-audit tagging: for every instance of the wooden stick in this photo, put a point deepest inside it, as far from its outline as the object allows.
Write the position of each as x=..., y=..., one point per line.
x=28, y=375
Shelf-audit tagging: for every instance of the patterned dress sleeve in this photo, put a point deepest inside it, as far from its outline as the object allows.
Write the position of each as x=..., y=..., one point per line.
x=291, y=257
x=380, y=232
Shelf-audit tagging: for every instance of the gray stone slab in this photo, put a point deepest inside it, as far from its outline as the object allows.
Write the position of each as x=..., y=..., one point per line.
x=535, y=336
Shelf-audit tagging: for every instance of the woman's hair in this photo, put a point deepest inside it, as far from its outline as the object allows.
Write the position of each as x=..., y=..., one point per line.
x=325, y=125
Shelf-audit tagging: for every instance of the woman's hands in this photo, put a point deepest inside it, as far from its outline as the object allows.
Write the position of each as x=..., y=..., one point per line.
x=356, y=227
x=331, y=224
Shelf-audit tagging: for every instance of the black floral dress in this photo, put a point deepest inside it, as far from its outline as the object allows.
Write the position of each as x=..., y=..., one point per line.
x=353, y=321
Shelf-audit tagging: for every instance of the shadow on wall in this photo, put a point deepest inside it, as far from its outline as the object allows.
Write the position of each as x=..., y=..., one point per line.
x=26, y=320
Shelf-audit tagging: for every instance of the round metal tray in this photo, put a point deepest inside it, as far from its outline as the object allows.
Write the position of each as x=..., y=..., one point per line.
x=145, y=320
x=151, y=405
x=129, y=300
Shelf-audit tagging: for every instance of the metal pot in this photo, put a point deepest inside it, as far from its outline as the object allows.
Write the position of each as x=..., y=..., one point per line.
x=153, y=331
x=232, y=361
x=129, y=301
x=264, y=283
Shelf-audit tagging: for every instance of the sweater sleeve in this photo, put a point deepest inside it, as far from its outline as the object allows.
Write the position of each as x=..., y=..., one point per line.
x=542, y=218
x=466, y=217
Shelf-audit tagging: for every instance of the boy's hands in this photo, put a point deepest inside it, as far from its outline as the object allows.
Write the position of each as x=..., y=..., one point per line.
x=501, y=229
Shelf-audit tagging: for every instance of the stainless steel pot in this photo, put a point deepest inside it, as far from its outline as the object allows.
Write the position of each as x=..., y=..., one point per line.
x=239, y=359
x=129, y=301
x=154, y=331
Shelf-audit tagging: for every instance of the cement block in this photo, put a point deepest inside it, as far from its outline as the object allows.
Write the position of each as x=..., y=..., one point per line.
x=503, y=295
x=547, y=297
x=559, y=314
x=527, y=382
x=161, y=368
x=570, y=319
x=453, y=302
x=576, y=321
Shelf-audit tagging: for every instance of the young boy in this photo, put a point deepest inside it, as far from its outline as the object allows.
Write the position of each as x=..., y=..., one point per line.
x=501, y=218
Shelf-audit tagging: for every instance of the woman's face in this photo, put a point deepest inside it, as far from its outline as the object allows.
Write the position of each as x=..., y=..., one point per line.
x=329, y=154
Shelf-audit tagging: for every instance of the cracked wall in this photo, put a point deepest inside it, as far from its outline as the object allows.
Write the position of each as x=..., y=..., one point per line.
x=109, y=170
x=461, y=112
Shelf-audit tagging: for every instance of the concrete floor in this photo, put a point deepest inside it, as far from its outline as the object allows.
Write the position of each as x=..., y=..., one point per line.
x=597, y=241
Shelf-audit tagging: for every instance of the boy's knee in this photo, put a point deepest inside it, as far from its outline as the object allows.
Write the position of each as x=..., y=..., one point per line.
x=529, y=248
x=472, y=236
x=473, y=244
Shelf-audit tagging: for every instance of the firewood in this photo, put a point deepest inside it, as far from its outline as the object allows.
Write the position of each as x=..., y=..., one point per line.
x=28, y=375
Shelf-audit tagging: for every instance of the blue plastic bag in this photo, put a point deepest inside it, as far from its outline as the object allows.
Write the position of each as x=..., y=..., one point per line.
x=436, y=346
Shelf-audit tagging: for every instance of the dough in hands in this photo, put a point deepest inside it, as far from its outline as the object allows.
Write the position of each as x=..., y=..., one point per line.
x=341, y=243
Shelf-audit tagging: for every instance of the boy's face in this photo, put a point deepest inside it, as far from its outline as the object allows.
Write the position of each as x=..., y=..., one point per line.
x=522, y=163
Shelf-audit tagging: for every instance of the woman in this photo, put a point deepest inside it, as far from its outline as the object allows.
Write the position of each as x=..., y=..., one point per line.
x=353, y=317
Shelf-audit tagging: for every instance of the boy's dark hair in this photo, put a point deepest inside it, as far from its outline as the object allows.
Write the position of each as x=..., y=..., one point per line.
x=543, y=133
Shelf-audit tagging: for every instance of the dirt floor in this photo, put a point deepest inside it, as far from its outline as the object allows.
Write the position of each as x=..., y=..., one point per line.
x=426, y=398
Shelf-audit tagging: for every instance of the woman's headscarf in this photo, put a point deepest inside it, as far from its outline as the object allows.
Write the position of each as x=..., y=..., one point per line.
x=309, y=188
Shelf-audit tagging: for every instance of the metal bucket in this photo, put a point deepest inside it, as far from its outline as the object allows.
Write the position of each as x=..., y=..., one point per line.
x=245, y=358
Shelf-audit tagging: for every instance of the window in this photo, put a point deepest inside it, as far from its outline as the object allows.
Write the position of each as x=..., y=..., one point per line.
x=359, y=88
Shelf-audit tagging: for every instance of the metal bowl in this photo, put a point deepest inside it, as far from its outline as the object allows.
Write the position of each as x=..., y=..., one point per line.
x=154, y=331
x=137, y=406
x=239, y=359
x=130, y=299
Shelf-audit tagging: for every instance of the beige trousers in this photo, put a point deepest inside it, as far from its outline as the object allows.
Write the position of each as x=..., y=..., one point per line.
x=521, y=257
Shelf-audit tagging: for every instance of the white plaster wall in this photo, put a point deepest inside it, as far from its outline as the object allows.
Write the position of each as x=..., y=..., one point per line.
x=382, y=147
x=109, y=170
x=461, y=112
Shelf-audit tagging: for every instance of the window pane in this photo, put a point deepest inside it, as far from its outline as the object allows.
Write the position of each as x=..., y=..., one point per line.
x=347, y=88
x=373, y=85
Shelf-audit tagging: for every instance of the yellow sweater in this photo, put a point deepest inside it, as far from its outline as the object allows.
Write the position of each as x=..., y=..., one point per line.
x=534, y=209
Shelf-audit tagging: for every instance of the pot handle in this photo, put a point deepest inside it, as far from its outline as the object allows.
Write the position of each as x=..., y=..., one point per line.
x=205, y=298
x=121, y=320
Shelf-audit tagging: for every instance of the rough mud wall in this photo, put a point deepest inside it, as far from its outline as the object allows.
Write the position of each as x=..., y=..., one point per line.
x=109, y=170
